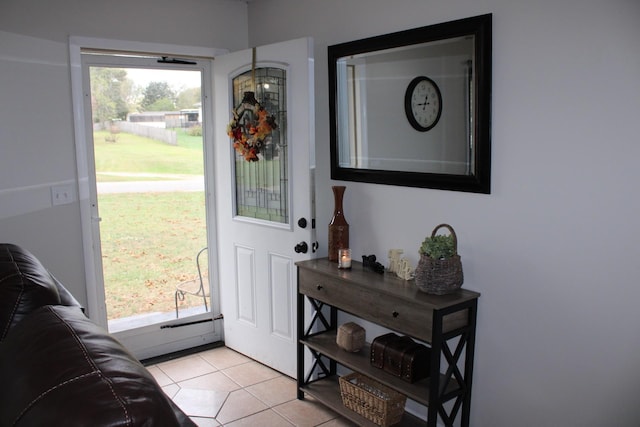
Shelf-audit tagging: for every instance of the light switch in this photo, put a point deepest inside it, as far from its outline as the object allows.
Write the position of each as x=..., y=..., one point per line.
x=61, y=195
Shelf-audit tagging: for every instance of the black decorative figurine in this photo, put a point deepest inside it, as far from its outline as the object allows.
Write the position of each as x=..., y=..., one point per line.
x=369, y=261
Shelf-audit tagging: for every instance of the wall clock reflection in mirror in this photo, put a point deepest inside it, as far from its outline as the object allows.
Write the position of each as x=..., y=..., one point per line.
x=423, y=103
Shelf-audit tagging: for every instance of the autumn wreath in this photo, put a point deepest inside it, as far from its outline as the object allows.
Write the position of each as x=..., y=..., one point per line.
x=249, y=128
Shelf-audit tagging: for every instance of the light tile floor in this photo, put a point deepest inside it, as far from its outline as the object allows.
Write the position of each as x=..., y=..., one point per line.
x=220, y=387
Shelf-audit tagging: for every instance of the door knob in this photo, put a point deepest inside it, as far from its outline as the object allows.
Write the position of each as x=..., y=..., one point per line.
x=301, y=247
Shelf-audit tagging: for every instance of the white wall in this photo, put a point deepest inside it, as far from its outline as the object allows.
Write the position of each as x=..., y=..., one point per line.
x=553, y=249
x=207, y=23
x=37, y=148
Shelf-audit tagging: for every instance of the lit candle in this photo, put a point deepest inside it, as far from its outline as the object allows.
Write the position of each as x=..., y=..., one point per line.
x=344, y=258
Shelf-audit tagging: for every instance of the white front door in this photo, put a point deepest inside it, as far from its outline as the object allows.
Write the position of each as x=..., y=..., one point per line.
x=265, y=207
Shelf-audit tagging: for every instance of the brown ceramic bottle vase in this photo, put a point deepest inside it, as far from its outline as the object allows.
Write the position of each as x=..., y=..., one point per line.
x=338, y=227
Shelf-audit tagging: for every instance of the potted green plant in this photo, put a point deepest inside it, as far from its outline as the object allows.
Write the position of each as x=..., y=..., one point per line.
x=439, y=270
x=438, y=247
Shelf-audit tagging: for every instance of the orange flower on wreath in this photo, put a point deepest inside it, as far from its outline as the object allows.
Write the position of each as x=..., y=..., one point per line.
x=249, y=128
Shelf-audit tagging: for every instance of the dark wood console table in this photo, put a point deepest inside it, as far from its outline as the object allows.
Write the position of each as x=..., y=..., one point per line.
x=446, y=323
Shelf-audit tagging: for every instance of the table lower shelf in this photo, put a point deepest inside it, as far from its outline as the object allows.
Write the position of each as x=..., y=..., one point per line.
x=325, y=344
x=327, y=392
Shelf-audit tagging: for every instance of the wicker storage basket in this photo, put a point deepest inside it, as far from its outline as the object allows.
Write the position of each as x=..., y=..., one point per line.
x=440, y=276
x=374, y=401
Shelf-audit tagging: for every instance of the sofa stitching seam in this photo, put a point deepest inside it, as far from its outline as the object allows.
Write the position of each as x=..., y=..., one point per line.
x=51, y=389
x=15, y=307
x=96, y=369
x=12, y=315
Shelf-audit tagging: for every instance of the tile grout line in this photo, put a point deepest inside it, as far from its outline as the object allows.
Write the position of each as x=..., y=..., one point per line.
x=246, y=360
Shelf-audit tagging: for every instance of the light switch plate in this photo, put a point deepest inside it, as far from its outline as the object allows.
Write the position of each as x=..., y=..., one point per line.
x=61, y=195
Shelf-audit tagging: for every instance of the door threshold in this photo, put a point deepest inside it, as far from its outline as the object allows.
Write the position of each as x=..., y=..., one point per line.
x=147, y=319
x=177, y=354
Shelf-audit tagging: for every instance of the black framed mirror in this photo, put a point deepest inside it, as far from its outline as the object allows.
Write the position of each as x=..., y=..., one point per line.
x=413, y=108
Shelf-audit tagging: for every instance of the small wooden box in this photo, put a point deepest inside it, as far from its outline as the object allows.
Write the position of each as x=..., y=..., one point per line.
x=351, y=337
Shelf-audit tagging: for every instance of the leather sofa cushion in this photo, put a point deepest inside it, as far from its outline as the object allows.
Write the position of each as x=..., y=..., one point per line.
x=24, y=286
x=59, y=368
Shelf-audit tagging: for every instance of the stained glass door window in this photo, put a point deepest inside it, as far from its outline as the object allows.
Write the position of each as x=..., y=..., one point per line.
x=262, y=187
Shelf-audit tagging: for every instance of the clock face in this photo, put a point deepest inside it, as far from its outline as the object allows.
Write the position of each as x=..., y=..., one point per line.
x=423, y=103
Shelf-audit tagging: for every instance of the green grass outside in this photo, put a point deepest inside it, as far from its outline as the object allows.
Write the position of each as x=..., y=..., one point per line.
x=189, y=141
x=148, y=249
x=149, y=240
x=137, y=154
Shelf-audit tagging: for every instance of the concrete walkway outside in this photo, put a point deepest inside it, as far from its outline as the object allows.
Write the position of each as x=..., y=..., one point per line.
x=169, y=183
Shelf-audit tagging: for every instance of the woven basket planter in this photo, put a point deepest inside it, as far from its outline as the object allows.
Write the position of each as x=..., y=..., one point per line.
x=440, y=276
